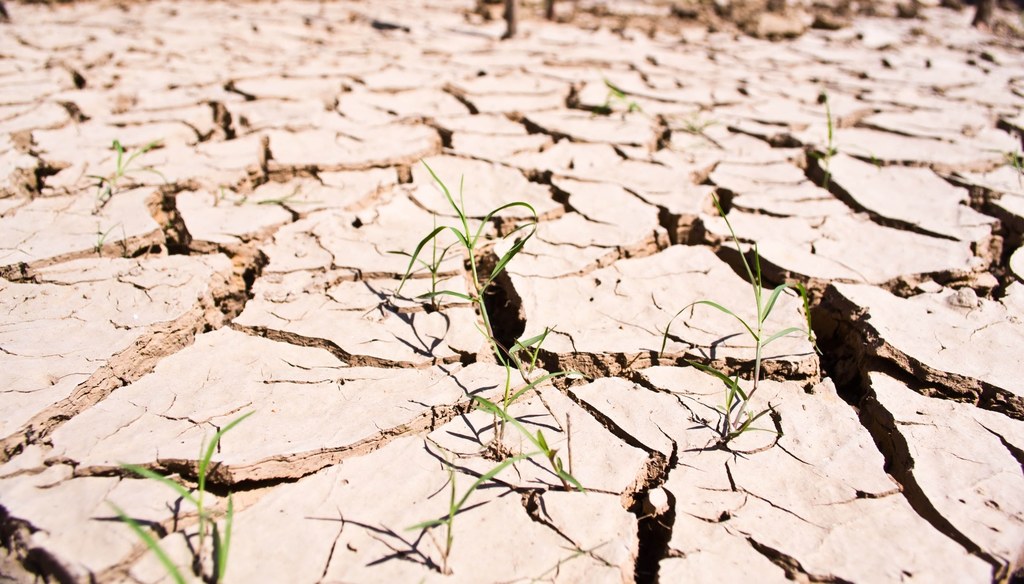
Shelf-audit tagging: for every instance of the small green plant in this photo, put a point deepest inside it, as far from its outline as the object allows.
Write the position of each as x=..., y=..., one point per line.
x=433, y=266
x=207, y=525
x=101, y=239
x=108, y=186
x=830, y=147
x=735, y=418
x=521, y=357
x=455, y=505
x=1016, y=160
x=616, y=96
x=472, y=241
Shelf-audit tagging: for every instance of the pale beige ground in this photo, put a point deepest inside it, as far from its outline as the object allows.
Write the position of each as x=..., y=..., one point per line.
x=245, y=264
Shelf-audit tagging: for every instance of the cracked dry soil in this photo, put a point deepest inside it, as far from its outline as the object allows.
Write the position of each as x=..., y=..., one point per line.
x=253, y=272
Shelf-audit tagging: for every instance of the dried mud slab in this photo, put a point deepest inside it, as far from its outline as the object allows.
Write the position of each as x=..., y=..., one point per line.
x=311, y=409
x=336, y=525
x=961, y=466
x=48, y=230
x=356, y=148
x=86, y=327
x=672, y=189
x=360, y=243
x=800, y=500
x=361, y=321
x=606, y=223
x=910, y=198
x=85, y=540
x=890, y=148
x=627, y=130
x=481, y=187
x=943, y=339
x=514, y=92
x=847, y=247
x=611, y=318
x=215, y=221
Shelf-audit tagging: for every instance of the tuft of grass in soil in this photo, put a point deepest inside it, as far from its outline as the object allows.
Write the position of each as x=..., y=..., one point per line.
x=109, y=185
x=735, y=417
x=208, y=528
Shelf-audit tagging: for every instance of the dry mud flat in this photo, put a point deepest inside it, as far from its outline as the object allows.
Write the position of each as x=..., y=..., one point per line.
x=252, y=272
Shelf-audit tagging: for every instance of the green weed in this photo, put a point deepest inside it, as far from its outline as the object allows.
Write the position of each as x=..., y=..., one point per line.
x=735, y=418
x=521, y=357
x=455, y=505
x=207, y=526
x=108, y=186
x=101, y=239
x=616, y=96
x=830, y=147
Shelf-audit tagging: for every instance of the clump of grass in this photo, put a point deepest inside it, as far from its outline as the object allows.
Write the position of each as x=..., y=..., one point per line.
x=433, y=266
x=207, y=526
x=472, y=242
x=735, y=417
x=108, y=186
x=521, y=358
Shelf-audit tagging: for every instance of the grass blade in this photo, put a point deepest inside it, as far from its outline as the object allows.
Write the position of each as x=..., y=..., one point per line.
x=204, y=462
x=767, y=309
x=783, y=333
x=224, y=545
x=148, y=474
x=730, y=313
x=416, y=253
x=152, y=544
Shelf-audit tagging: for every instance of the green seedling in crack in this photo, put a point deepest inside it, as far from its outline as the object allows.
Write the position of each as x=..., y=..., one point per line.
x=108, y=186
x=1016, y=160
x=616, y=96
x=455, y=505
x=207, y=525
x=433, y=266
x=735, y=418
x=472, y=241
x=101, y=239
x=830, y=147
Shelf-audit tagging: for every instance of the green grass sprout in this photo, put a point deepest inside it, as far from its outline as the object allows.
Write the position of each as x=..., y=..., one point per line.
x=735, y=418
x=108, y=186
x=221, y=542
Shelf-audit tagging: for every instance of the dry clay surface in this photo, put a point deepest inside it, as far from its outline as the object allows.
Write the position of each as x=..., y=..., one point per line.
x=244, y=263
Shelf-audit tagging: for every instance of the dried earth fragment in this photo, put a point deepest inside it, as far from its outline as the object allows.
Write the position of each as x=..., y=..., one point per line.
x=362, y=321
x=48, y=230
x=629, y=130
x=85, y=327
x=800, y=501
x=479, y=187
x=357, y=148
x=338, y=526
x=362, y=243
x=607, y=223
x=911, y=198
x=610, y=317
x=847, y=247
x=958, y=463
x=85, y=539
x=300, y=395
x=944, y=339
